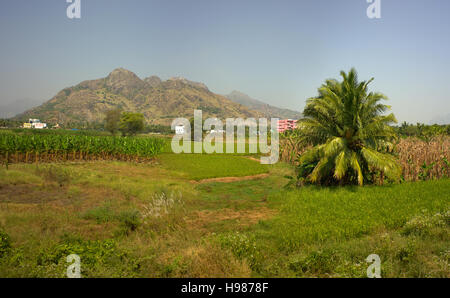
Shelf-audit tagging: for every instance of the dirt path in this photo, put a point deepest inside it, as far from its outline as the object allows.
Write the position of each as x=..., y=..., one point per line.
x=231, y=179
x=203, y=218
x=254, y=158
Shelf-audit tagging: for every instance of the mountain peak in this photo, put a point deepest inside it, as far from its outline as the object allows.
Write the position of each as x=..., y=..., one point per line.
x=153, y=81
x=122, y=72
x=123, y=80
x=187, y=82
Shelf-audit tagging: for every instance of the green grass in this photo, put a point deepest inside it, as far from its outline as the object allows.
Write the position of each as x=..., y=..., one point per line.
x=330, y=231
x=315, y=214
x=168, y=147
x=202, y=166
x=150, y=220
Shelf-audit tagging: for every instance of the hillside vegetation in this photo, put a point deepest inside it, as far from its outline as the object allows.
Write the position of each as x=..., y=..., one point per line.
x=159, y=101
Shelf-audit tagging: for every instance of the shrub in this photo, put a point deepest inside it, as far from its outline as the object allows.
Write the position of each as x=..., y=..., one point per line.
x=100, y=214
x=50, y=173
x=130, y=219
x=242, y=247
x=5, y=243
x=161, y=204
x=99, y=258
x=90, y=252
x=424, y=223
x=321, y=261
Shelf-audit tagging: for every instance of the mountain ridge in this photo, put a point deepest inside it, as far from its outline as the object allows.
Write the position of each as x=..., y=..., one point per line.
x=267, y=110
x=159, y=101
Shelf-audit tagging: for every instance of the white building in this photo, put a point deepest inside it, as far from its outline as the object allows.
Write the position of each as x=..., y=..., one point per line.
x=35, y=123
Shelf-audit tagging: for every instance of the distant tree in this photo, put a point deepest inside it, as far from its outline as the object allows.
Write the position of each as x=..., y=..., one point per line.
x=112, y=121
x=131, y=123
x=158, y=128
x=10, y=123
x=422, y=131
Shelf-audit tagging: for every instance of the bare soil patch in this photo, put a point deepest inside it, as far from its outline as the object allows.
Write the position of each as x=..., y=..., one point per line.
x=231, y=179
x=203, y=218
x=29, y=194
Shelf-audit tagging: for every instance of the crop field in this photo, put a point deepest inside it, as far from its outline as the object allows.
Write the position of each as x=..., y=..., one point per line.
x=423, y=160
x=15, y=148
x=162, y=219
x=420, y=160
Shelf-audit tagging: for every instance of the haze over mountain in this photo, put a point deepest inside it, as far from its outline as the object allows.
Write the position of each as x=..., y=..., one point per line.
x=159, y=101
x=11, y=108
x=443, y=119
x=262, y=107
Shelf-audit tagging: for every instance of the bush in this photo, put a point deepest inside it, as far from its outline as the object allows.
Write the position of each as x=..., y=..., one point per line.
x=100, y=214
x=242, y=247
x=50, y=173
x=5, y=243
x=316, y=262
x=130, y=219
x=162, y=204
x=100, y=258
x=90, y=252
x=424, y=223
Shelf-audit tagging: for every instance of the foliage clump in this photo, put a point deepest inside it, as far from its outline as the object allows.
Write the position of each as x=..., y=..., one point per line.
x=350, y=134
x=242, y=247
x=5, y=243
x=131, y=123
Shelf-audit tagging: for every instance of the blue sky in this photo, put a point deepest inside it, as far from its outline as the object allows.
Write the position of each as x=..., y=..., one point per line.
x=276, y=51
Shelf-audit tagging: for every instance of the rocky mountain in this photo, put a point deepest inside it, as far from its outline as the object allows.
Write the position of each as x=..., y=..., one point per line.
x=262, y=107
x=159, y=101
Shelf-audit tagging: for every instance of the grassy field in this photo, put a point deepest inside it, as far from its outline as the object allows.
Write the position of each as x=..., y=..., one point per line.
x=159, y=220
x=202, y=166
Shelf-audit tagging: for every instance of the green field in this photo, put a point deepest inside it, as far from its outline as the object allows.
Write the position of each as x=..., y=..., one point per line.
x=156, y=219
x=53, y=146
x=202, y=166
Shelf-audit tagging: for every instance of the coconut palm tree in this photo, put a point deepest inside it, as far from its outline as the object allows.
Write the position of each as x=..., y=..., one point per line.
x=350, y=134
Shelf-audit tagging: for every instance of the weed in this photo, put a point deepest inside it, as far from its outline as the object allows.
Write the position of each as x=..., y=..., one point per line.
x=130, y=219
x=423, y=223
x=101, y=214
x=243, y=247
x=161, y=204
x=5, y=243
x=317, y=262
x=54, y=174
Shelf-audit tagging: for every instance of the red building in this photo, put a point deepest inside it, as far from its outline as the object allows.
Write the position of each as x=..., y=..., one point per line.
x=286, y=124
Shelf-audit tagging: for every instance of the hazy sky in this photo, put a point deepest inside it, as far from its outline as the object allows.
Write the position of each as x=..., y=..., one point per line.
x=275, y=51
